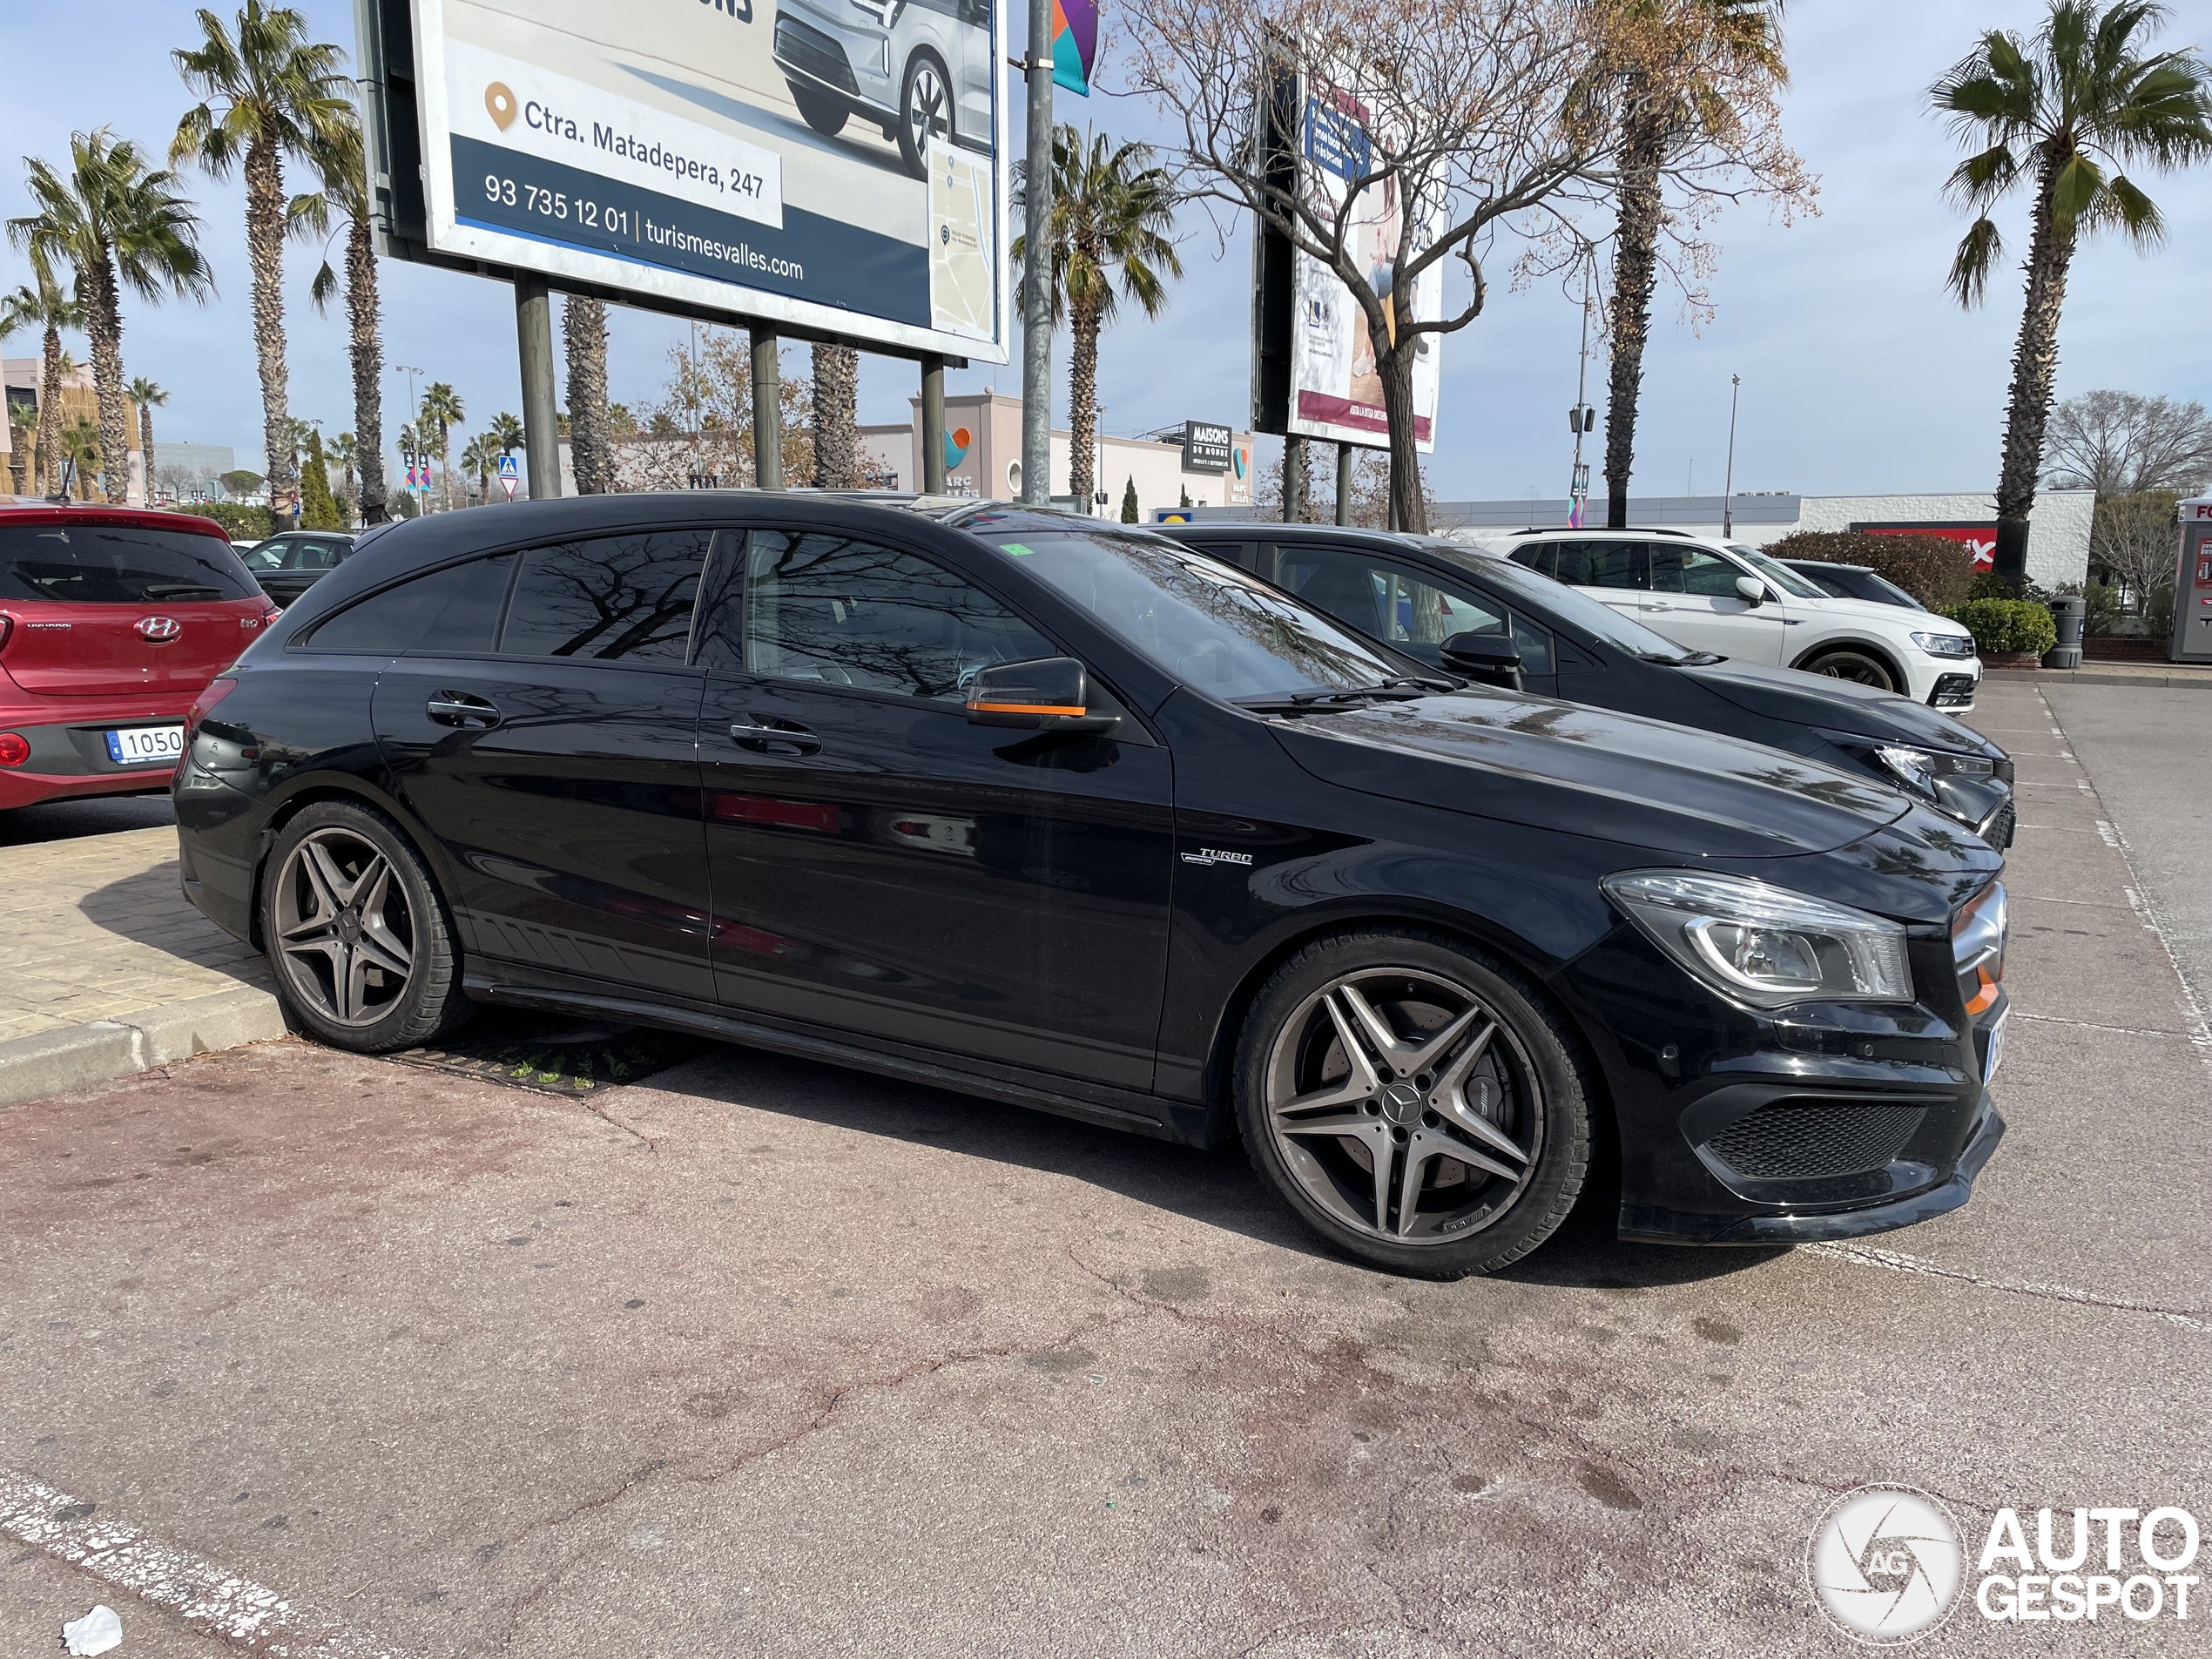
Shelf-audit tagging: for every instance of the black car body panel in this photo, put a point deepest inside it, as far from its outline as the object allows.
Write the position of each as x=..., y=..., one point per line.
x=1834, y=721
x=1080, y=921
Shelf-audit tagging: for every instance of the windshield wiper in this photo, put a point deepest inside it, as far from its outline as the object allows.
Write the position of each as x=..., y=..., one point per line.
x=1405, y=688
x=178, y=589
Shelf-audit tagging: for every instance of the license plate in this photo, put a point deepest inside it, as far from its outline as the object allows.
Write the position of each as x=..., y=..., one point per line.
x=1995, y=1053
x=142, y=745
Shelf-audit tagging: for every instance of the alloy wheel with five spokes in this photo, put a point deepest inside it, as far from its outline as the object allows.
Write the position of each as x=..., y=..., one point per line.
x=344, y=934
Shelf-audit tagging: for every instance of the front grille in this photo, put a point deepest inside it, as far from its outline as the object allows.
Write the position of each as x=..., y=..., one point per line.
x=1802, y=1143
x=1952, y=690
x=1997, y=828
x=813, y=53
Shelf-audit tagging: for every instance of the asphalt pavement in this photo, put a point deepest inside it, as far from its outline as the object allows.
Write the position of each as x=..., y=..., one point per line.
x=760, y=1357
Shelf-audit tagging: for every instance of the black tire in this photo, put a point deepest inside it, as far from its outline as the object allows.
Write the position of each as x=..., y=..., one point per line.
x=823, y=111
x=1461, y=1220
x=1862, y=668
x=334, y=936
x=924, y=71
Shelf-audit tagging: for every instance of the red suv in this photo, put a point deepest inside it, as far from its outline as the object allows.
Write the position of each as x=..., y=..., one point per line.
x=112, y=619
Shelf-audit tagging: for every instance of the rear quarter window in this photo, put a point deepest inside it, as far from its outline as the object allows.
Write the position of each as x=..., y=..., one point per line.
x=122, y=564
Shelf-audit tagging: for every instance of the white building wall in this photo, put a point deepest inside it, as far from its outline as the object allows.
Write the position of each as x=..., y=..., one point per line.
x=2058, y=534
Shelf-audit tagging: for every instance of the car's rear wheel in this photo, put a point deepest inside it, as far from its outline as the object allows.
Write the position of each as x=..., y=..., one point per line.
x=925, y=111
x=360, y=941
x=1855, y=666
x=821, y=111
x=1414, y=1102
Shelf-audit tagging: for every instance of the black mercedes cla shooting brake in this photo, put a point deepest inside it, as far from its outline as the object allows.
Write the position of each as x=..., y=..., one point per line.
x=1032, y=807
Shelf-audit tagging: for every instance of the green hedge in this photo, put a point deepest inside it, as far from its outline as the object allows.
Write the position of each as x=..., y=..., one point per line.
x=2001, y=626
x=239, y=522
x=1937, y=572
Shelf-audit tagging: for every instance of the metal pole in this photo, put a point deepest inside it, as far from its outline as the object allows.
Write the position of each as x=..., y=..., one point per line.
x=1727, y=489
x=1344, y=483
x=541, y=404
x=1293, y=481
x=1037, y=266
x=767, y=409
x=1578, y=484
x=932, y=430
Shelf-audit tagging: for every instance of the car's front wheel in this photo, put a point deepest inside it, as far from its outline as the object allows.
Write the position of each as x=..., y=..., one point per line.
x=1414, y=1102
x=1857, y=666
x=925, y=112
x=360, y=943
x=826, y=114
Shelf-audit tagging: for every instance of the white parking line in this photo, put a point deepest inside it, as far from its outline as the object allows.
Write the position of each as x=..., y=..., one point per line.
x=1899, y=1262
x=208, y=1597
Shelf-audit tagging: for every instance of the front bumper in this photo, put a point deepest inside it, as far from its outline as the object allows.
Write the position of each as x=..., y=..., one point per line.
x=1955, y=688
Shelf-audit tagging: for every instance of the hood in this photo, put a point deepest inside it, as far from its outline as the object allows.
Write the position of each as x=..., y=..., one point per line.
x=1582, y=770
x=1838, y=705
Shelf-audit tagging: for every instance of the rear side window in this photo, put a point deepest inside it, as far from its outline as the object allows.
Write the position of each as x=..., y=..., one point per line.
x=610, y=598
x=455, y=609
x=1603, y=565
x=119, y=564
x=1539, y=557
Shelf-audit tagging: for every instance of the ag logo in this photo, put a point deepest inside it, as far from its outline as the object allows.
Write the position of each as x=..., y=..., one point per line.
x=1885, y=1564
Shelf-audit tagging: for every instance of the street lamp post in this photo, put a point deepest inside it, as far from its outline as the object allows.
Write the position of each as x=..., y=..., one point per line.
x=1036, y=264
x=1727, y=489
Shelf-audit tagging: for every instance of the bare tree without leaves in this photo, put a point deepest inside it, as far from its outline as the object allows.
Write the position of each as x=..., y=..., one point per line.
x=1480, y=117
x=698, y=432
x=2136, y=537
x=2119, y=444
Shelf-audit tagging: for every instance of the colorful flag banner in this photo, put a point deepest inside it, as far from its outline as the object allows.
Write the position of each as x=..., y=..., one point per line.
x=1074, y=44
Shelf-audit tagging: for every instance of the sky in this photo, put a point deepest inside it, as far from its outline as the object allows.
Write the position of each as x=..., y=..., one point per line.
x=1860, y=375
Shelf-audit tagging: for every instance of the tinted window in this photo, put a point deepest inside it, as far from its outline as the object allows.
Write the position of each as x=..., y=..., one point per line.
x=313, y=555
x=1692, y=570
x=1603, y=565
x=453, y=610
x=1571, y=608
x=1204, y=623
x=1391, y=601
x=122, y=564
x=845, y=612
x=1535, y=645
x=612, y=596
x=1537, y=556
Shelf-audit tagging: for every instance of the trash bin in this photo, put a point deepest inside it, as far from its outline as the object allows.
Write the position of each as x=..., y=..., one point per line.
x=2070, y=611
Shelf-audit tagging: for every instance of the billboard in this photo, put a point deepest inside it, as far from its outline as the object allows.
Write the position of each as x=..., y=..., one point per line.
x=1981, y=539
x=1314, y=364
x=833, y=166
x=1206, y=447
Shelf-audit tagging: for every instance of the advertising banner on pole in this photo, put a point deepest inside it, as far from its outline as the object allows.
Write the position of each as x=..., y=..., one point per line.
x=1335, y=391
x=836, y=165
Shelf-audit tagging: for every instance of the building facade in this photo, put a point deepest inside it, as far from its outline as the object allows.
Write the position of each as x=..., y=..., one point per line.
x=983, y=458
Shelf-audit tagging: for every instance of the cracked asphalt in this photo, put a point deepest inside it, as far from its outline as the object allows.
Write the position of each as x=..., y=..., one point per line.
x=761, y=1357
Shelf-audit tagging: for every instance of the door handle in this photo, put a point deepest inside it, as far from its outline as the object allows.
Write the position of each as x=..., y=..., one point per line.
x=772, y=736
x=459, y=708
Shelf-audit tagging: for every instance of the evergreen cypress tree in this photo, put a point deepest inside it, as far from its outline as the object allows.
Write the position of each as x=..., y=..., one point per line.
x=318, y=508
x=1128, y=502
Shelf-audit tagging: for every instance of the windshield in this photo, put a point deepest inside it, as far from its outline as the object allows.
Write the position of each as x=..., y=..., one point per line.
x=1778, y=573
x=1207, y=624
x=1571, y=606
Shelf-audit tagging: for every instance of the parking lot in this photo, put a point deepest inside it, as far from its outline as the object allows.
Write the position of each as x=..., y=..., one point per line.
x=311, y=1353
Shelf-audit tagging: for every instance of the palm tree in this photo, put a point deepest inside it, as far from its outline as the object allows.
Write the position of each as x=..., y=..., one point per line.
x=114, y=221
x=2063, y=113
x=340, y=162
x=440, y=412
x=48, y=309
x=149, y=397
x=1110, y=214
x=1669, y=103
x=80, y=442
x=837, y=438
x=583, y=329
x=346, y=450
x=265, y=93
x=479, y=461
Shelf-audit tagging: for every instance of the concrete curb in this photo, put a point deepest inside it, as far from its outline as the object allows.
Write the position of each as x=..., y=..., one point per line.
x=2184, y=679
x=79, y=1056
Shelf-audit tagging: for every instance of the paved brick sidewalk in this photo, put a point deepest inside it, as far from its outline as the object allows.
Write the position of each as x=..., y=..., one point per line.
x=97, y=927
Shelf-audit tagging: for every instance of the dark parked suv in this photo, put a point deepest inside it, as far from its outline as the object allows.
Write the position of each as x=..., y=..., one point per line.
x=1021, y=804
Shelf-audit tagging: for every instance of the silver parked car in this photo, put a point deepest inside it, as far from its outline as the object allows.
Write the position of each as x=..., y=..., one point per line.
x=918, y=68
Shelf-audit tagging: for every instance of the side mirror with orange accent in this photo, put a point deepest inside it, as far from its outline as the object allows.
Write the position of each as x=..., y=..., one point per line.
x=1047, y=694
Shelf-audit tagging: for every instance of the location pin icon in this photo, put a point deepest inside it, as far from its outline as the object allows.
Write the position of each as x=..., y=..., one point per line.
x=501, y=103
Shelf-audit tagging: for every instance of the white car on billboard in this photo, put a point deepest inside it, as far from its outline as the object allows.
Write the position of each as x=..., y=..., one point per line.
x=1734, y=601
x=918, y=68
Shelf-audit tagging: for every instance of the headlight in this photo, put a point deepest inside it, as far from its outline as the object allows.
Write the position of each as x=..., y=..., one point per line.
x=1766, y=946
x=1921, y=767
x=1946, y=645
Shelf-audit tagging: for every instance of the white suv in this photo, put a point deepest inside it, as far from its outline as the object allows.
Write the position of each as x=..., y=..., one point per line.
x=1734, y=601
